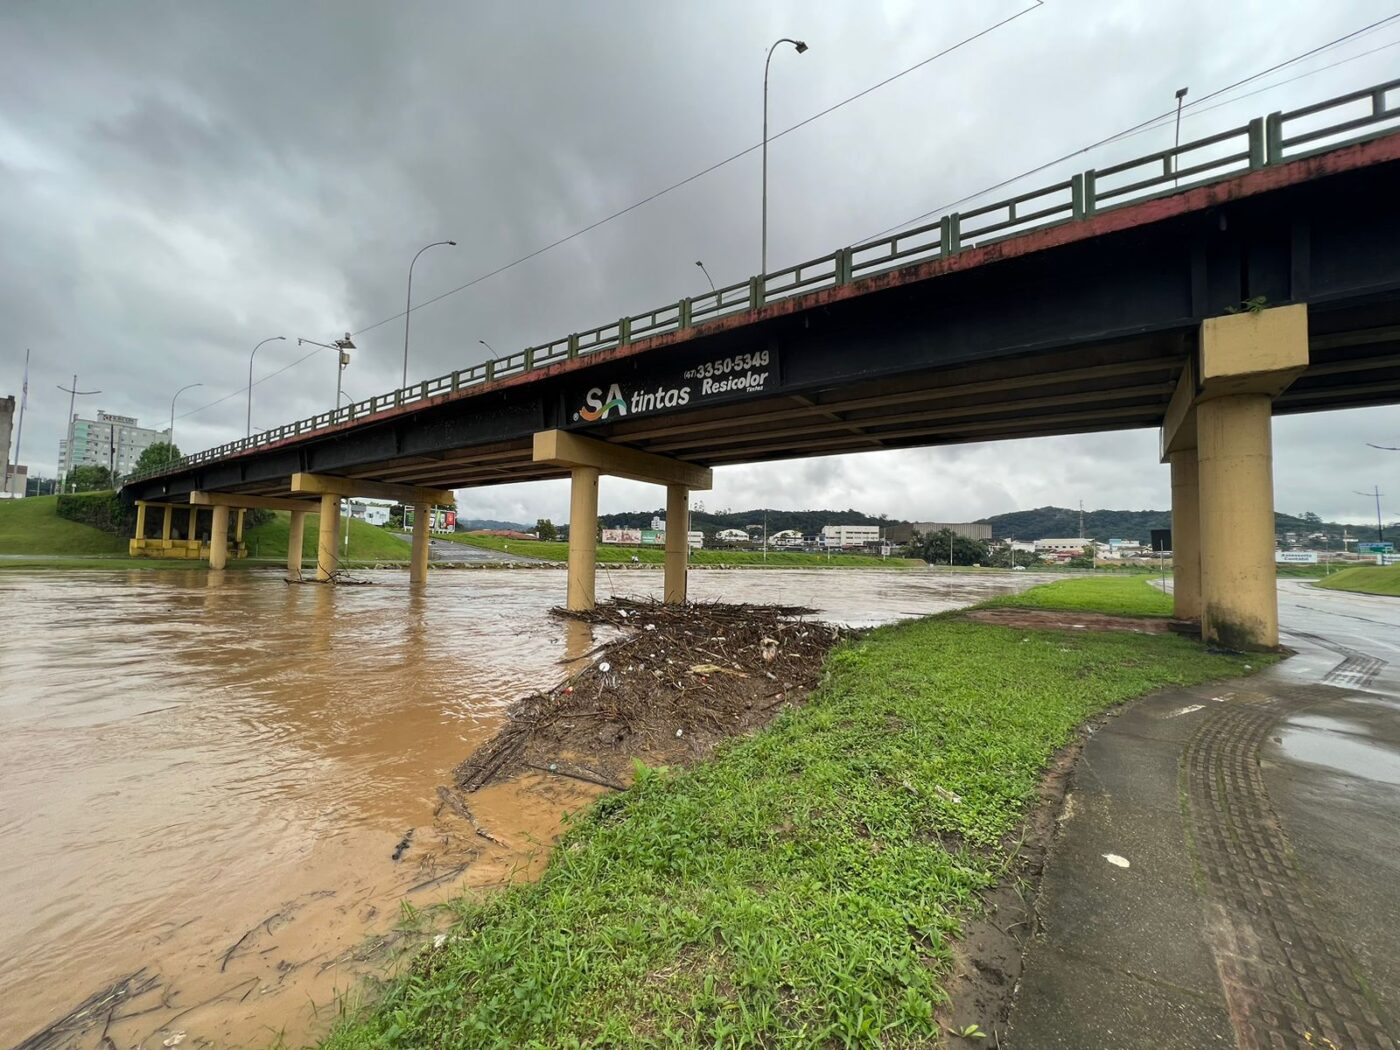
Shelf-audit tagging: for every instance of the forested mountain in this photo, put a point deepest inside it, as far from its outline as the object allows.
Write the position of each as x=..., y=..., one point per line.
x=1046, y=522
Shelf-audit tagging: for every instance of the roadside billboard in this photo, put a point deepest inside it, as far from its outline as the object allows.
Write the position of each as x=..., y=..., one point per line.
x=1295, y=557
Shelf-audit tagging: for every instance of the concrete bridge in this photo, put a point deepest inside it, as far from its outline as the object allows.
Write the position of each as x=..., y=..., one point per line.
x=1200, y=289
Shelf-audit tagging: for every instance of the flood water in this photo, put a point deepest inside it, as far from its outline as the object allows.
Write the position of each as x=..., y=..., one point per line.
x=205, y=776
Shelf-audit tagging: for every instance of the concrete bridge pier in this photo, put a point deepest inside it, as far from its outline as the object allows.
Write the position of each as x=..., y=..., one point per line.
x=1219, y=428
x=296, y=537
x=218, y=538
x=422, y=535
x=587, y=458
x=327, y=555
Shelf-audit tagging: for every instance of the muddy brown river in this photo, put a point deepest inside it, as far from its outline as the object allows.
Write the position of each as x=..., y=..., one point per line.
x=205, y=777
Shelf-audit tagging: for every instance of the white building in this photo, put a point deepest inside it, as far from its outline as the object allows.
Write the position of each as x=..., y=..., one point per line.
x=107, y=441
x=786, y=538
x=1062, y=547
x=732, y=536
x=842, y=536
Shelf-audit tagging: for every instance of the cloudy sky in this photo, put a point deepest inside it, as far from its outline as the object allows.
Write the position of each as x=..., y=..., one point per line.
x=181, y=180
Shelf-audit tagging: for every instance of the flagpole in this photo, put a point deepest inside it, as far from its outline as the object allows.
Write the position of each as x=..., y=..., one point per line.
x=19, y=432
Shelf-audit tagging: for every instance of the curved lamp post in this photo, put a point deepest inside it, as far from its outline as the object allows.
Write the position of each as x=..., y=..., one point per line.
x=701, y=263
x=254, y=354
x=800, y=47
x=170, y=436
x=408, y=306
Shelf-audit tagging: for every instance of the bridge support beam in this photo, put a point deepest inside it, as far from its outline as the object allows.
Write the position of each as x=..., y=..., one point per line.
x=677, y=543
x=140, y=519
x=166, y=522
x=1221, y=416
x=583, y=538
x=422, y=534
x=296, y=537
x=1186, y=536
x=327, y=559
x=218, y=539
x=587, y=458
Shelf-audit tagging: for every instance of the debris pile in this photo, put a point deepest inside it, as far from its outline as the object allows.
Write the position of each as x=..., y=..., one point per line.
x=681, y=679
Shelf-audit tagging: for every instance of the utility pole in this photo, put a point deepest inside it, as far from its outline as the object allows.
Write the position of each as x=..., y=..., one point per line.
x=1176, y=161
x=1081, y=521
x=73, y=394
x=1380, y=531
x=19, y=434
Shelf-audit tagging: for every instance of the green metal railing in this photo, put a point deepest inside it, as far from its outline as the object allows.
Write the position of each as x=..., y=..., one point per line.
x=1264, y=141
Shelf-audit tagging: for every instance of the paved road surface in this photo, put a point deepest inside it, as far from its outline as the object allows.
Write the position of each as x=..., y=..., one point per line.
x=1260, y=820
x=448, y=550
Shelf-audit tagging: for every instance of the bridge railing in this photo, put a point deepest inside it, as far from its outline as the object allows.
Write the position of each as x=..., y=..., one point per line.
x=1280, y=136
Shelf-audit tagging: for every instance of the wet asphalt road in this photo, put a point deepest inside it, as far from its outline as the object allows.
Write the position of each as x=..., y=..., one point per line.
x=1228, y=868
x=447, y=550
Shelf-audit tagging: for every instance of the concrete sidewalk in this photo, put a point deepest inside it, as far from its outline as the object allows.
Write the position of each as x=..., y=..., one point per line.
x=1228, y=868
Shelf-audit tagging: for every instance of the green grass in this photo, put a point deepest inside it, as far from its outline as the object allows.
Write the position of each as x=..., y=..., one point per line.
x=1115, y=595
x=367, y=542
x=610, y=555
x=801, y=888
x=32, y=526
x=1365, y=579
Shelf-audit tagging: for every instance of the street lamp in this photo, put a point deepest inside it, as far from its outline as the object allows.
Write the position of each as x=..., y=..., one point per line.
x=254, y=354
x=488, y=346
x=73, y=393
x=1176, y=161
x=408, y=305
x=800, y=47
x=706, y=272
x=341, y=348
x=170, y=436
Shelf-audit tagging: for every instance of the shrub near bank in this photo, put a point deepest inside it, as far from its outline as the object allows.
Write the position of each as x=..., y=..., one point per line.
x=803, y=887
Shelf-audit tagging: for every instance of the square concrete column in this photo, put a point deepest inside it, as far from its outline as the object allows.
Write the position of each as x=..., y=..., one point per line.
x=677, y=543
x=422, y=533
x=327, y=559
x=140, y=519
x=238, y=527
x=218, y=539
x=296, y=537
x=583, y=538
x=1186, y=536
x=1239, y=585
x=165, y=524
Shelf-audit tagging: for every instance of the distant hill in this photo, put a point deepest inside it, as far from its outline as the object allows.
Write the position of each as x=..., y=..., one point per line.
x=807, y=522
x=1045, y=522
x=472, y=524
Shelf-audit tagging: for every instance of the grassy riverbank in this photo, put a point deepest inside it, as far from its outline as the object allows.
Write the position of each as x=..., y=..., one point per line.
x=1365, y=579
x=35, y=537
x=803, y=887
x=1115, y=595
x=610, y=555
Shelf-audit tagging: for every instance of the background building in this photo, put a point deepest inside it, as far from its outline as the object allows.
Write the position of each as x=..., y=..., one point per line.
x=109, y=441
x=834, y=536
x=968, y=530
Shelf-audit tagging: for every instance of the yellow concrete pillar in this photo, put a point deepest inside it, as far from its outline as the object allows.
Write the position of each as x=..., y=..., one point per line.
x=296, y=536
x=218, y=539
x=677, y=543
x=238, y=528
x=1186, y=535
x=327, y=560
x=1239, y=589
x=583, y=538
x=422, y=531
x=140, y=519
x=168, y=513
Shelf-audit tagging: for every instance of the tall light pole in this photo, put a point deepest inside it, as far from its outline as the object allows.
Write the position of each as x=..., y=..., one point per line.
x=700, y=263
x=1176, y=161
x=408, y=304
x=489, y=347
x=1380, y=531
x=342, y=360
x=170, y=436
x=800, y=46
x=254, y=354
x=73, y=393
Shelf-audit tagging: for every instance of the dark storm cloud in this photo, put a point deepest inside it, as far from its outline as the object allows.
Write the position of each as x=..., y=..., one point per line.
x=178, y=182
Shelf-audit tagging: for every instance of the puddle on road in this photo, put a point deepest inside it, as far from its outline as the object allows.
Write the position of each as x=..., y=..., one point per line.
x=206, y=775
x=1340, y=745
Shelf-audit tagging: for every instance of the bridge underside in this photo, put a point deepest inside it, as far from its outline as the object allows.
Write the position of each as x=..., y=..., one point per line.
x=1076, y=328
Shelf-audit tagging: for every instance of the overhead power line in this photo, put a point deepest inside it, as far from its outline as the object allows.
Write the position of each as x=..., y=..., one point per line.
x=1158, y=120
